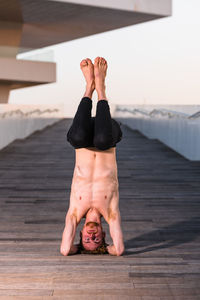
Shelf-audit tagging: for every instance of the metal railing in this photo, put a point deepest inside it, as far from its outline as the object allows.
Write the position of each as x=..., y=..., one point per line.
x=158, y=112
x=25, y=114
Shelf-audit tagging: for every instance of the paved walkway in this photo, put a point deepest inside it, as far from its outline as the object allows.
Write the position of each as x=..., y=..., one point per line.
x=159, y=203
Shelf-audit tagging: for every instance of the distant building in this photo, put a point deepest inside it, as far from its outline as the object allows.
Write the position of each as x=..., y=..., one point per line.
x=31, y=24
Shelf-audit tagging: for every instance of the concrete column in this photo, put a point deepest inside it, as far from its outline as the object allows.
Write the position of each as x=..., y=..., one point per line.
x=10, y=39
x=4, y=92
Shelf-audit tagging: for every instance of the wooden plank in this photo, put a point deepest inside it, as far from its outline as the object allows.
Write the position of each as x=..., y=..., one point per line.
x=160, y=208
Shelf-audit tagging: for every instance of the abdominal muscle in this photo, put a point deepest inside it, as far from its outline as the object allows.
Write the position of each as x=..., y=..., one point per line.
x=95, y=181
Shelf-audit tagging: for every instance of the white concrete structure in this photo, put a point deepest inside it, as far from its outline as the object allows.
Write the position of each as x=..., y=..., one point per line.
x=18, y=122
x=32, y=24
x=27, y=25
x=16, y=74
x=176, y=126
x=157, y=7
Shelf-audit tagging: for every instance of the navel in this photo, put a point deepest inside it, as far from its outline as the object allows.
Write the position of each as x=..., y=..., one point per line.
x=80, y=198
x=105, y=197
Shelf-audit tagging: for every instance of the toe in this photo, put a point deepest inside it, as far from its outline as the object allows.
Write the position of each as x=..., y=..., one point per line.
x=96, y=61
x=83, y=63
x=102, y=61
x=89, y=61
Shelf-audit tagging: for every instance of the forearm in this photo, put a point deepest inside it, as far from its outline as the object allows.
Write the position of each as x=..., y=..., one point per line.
x=68, y=236
x=66, y=245
x=117, y=236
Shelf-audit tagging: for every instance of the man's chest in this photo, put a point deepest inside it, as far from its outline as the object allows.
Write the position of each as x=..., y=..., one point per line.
x=90, y=192
x=99, y=195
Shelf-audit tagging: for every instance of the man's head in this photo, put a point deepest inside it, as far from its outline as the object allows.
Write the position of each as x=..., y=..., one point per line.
x=92, y=238
x=92, y=235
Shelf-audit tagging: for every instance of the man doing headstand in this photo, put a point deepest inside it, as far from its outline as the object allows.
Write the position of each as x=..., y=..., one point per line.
x=94, y=188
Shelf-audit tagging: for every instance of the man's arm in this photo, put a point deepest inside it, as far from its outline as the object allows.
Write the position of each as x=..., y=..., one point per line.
x=116, y=234
x=68, y=236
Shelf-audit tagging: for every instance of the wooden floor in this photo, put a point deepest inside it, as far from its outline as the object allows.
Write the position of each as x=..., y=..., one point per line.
x=160, y=208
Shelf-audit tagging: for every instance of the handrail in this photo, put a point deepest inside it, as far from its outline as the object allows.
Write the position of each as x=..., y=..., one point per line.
x=195, y=116
x=159, y=112
x=19, y=112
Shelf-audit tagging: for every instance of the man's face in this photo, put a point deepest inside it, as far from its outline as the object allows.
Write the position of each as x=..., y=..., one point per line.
x=92, y=235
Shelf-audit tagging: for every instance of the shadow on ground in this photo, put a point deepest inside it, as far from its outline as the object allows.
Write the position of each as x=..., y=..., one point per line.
x=168, y=236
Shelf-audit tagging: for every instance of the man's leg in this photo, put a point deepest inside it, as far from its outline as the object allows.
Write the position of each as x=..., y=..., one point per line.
x=103, y=138
x=80, y=132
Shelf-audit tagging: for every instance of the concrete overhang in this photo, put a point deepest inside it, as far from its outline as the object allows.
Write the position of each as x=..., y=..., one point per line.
x=26, y=25
x=16, y=74
x=157, y=7
x=23, y=73
x=39, y=23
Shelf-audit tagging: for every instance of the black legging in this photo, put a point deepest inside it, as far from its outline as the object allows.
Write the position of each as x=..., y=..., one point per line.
x=102, y=131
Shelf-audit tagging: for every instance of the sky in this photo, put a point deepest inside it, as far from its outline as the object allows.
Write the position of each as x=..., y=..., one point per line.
x=156, y=62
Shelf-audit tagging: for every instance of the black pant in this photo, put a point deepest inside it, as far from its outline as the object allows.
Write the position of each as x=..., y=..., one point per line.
x=102, y=131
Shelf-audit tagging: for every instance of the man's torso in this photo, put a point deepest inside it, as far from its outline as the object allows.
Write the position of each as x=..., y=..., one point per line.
x=95, y=183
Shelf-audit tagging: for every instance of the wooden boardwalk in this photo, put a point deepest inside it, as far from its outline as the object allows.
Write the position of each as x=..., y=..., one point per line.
x=159, y=203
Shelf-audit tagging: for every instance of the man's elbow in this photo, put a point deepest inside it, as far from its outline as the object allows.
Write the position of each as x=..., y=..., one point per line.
x=120, y=251
x=69, y=251
x=64, y=251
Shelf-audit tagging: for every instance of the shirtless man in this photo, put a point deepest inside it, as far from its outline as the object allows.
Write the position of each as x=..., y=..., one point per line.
x=94, y=189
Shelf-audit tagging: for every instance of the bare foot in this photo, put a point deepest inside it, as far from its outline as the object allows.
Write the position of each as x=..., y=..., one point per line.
x=87, y=68
x=100, y=69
